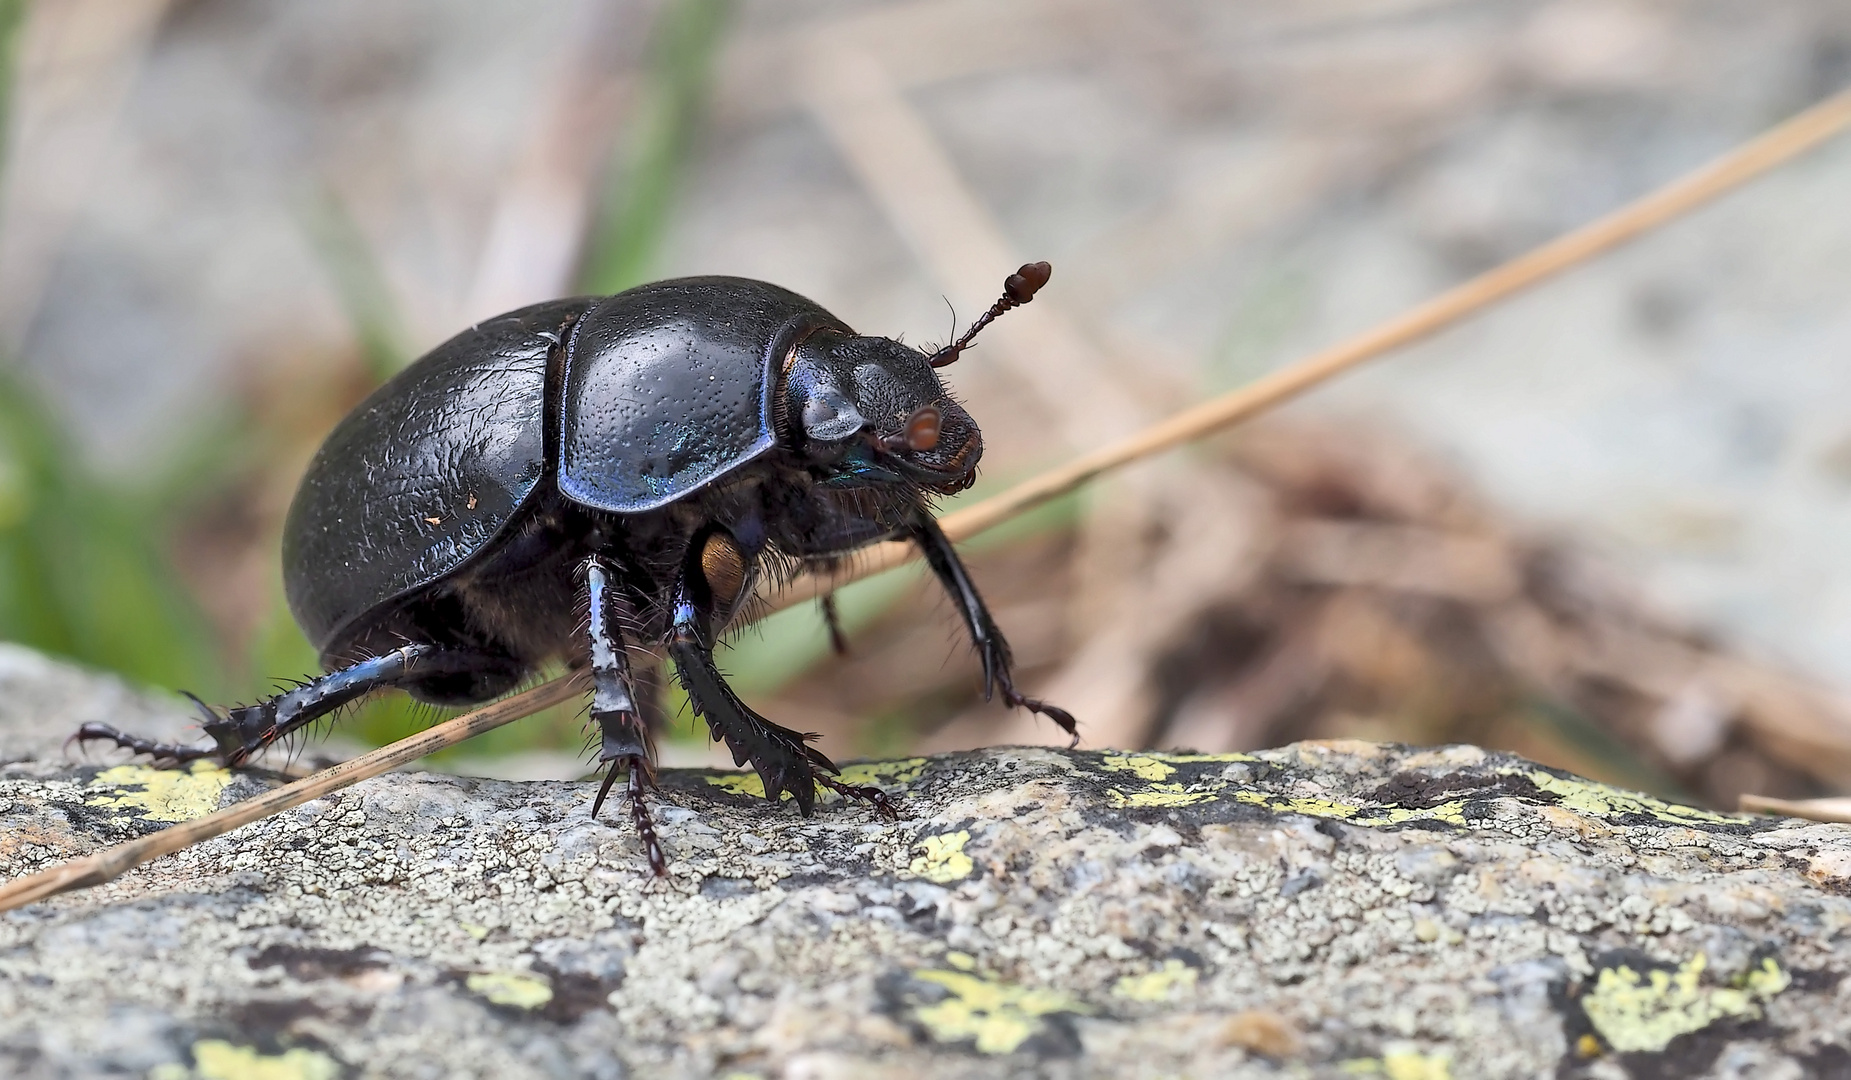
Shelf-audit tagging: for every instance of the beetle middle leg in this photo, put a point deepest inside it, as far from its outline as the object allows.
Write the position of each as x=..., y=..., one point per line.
x=782, y=757
x=998, y=675
x=624, y=741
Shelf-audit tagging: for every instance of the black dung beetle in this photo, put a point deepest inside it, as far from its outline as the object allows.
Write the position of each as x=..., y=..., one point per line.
x=577, y=476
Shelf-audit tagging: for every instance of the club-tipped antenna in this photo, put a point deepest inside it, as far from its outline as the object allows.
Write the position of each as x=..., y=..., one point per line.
x=1018, y=289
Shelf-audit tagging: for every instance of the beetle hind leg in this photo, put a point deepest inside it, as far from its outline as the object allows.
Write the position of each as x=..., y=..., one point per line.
x=241, y=733
x=170, y=754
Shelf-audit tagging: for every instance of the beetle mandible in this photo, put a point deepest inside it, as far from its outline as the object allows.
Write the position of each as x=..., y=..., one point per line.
x=580, y=476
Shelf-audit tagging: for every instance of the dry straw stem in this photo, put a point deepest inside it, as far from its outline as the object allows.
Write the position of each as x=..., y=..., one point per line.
x=112, y=862
x=1767, y=151
x=1837, y=809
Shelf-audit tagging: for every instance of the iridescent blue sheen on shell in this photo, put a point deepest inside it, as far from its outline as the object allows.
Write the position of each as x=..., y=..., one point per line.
x=668, y=387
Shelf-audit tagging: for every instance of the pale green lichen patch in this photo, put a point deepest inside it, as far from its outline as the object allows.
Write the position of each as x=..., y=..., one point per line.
x=1401, y=1063
x=1143, y=766
x=1581, y=796
x=216, y=1059
x=1157, y=767
x=1160, y=791
x=995, y=1017
x=1452, y=812
x=1172, y=978
x=904, y=771
x=162, y=794
x=876, y=773
x=1590, y=799
x=740, y=783
x=1158, y=795
x=944, y=860
x=514, y=989
x=1407, y=1063
x=1644, y=1013
x=1599, y=800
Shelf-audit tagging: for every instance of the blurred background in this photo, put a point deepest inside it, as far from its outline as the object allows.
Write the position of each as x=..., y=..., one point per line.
x=1601, y=525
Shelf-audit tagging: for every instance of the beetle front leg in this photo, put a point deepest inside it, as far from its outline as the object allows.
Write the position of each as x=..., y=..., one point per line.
x=984, y=634
x=624, y=741
x=783, y=758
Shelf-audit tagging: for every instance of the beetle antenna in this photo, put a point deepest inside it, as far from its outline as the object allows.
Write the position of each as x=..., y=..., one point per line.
x=1018, y=289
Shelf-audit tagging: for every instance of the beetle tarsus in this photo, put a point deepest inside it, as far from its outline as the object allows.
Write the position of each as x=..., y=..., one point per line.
x=873, y=796
x=162, y=753
x=1060, y=716
x=640, y=820
x=638, y=776
x=838, y=642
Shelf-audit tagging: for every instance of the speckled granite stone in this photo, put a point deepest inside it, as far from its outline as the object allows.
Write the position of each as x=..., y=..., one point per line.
x=1325, y=909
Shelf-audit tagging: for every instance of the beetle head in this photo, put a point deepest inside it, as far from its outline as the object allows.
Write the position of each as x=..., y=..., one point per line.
x=876, y=406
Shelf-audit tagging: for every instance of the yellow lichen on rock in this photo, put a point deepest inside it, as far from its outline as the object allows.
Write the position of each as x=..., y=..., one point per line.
x=1158, y=985
x=878, y=773
x=516, y=990
x=1143, y=766
x=1159, y=795
x=1401, y=1063
x=162, y=794
x=740, y=783
x=944, y=860
x=1602, y=801
x=1408, y=1063
x=996, y=1017
x=216, y=1059
x=903, y=771
x=1644, y=1013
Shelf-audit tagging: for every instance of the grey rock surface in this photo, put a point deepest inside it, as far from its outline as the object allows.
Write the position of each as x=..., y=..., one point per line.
x=1324, y=909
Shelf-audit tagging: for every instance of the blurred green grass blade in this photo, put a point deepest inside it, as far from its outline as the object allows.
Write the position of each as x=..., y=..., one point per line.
x=12, y=18
x=82, y=573
x=213, y=451
x=649, y=164
x=82, y=568
x=353, y=269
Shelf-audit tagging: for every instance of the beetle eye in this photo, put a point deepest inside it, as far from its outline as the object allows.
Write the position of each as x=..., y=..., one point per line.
x=828, y=415
x=922, y=429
